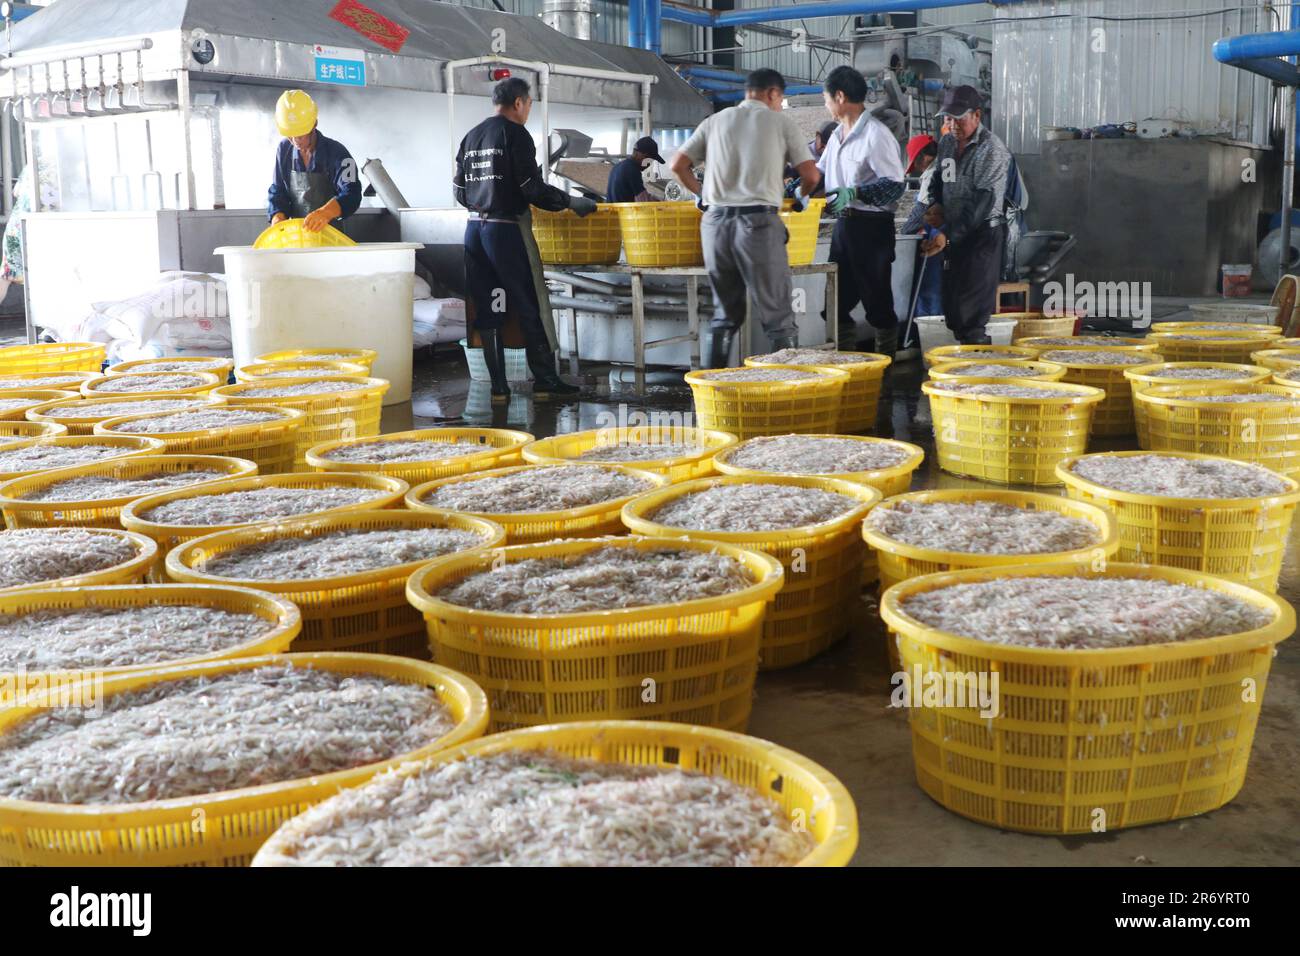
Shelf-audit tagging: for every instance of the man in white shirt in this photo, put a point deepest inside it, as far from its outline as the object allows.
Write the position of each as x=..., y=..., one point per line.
x=863, y=175
x=746, y=149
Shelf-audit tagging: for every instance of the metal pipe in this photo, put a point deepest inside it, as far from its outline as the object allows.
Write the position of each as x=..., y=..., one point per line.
x=73, y=50
x=636, y=23
x=1288, y=178
x=621, y=307
x=1279, y=71
x=807, y=11
x=1252, y=46
x=385, y=188
x=653, y=25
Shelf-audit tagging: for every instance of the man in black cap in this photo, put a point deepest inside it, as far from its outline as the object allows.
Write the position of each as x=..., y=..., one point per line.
x=968, y=193
x=625, y=182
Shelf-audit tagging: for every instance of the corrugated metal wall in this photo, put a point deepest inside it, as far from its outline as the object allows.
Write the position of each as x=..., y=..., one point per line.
x=1050, y=72
x=609, y=23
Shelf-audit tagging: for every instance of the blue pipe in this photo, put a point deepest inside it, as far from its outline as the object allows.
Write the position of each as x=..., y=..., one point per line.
x=653, y=25
x=734, y=95
x=636, y=23
x=1254, y=46
x=807, y=11
x=713, y=73
x=720, y=85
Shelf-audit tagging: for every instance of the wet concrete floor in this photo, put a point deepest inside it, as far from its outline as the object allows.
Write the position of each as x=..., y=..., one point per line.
x=835, y=708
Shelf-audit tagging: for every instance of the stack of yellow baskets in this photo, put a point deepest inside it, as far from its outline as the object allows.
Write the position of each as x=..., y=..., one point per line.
x=860, y=399
x=1210, y=345
x=1175, y=373
x=752, y=409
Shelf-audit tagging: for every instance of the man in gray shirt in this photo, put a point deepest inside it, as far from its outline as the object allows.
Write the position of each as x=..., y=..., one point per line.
x=745, y=150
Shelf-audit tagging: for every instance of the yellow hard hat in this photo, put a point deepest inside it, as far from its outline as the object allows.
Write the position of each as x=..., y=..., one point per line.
x=295, y=113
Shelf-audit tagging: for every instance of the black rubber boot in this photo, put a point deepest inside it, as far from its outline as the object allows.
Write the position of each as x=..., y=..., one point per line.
x=720, y=348
x=779, y=342
x=975, y=337
x=546, y=381
x=886, y=341
x=494, y=355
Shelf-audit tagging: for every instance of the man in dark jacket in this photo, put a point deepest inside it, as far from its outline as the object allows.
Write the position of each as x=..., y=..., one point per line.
x=497, y=179
x=626, y=183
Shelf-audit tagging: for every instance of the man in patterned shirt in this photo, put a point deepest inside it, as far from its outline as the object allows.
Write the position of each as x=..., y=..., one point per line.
x=968, y=208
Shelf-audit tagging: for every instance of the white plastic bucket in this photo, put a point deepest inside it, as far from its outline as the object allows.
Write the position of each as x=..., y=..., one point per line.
x=935, y=334
x=331, y=297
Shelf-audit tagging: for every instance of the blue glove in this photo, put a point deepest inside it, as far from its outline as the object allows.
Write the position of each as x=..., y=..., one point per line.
x=838, y=200
x=582, y=205
x=881, y=192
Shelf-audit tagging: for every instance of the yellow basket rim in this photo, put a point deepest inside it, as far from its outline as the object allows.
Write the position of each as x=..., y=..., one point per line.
x=916, y=455
x=393, y=488
x=947, y=353
x=44, y=430
x=315, y=454
x=38, y=396
x=1104, y=366
x=266, y=369
x=1279, y=378
x=212, y=380
x=122, y=368
x=1275, y=632
x=42, y=412
x=870, y=360
x=8, y=502
x=1169, y=395
x=146, y=553
x=470, y=726
x=828, y=374
x=946, y=371
x=14, y=381
x=142, y=446
x=1065, y=471
x=1095, y=514
x=415, y=497
x=836, y=850
x=327, y=236
x=50, y=348
x=1121, y=343
x=367, y=387
x=361, y=355
x=179, y=567
x=633, y=513
x=1208, y=326
x=764, y=587
x=1215, y=338
x=1278, y=355
x=293, y=417
x=534, y=452
x=1080, y=394
x=288, y=619
x=1144, y=373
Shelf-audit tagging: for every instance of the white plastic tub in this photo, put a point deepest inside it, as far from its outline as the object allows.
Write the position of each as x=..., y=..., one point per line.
x=935, y=334
x=332, y=297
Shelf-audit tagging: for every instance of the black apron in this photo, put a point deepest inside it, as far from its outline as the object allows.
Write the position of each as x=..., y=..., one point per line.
x=309, y=191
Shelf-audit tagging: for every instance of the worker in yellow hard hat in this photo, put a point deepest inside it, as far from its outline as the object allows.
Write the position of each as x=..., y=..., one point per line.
x=315, y=177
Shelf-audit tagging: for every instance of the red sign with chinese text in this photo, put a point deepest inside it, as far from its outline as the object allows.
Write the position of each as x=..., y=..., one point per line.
x=370, y=24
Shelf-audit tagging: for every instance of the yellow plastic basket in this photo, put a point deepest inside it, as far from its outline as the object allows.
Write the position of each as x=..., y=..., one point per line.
x=129, y=446
x=751, y=409
x=567, y=239
x=1113, y=415
x=501, y=447
x=234, y=822
x=59, y=381
x=1239, y=539
x=1170, y=373
x=33, y=398
x=364, y=612
x=1139, y=734
x=1242, y=327
x=525, y=527
x=271, y=445
x=861, y=397
x=52, y=357
x=19, y=512
x=1279, y=360
x=888, y=481
x=388, y=494
x=822, y=562
x=1042, y=343
x=290, y=234
x=260, y=371
x=963, y=353
x=1265, y=433
x=217, y=365
x=565, y=449
x=27, y=687
x=99, y=387
x=79, y=415
x=699, y=657
x=1031, y=325
x=131, y=571
x=1209, y=346
x=331, y=416
x=808, y=794
x=359, y=356
x=802, y=229
x=11, y=432
x=1039, y=371
x=660, y=233
x=1011, y=441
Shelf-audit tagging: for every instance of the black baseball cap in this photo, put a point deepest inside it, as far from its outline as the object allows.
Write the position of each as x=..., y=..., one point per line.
x=959, y=101
x=648, y=147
